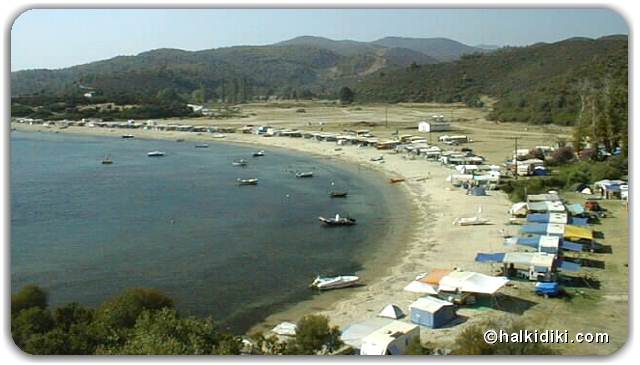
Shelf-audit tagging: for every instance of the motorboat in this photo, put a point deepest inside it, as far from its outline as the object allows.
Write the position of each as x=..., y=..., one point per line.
x=334, y=282
x=155, y=154
x=202, y=145
x=127, y=136
x=338, y=221
x=218, y=135
x=242, y=163
x=304, y=174
x=338, y=194
x=252, y=181
x=258, y=154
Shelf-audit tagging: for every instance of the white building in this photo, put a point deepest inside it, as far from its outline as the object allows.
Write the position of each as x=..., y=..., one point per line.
x=433, y=126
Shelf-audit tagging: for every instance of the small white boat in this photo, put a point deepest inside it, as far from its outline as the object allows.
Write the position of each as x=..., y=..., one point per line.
x=334, y=282
x=242, y=163
x=304, y=174
x=337, y=221
x=252, y=181
x=218, y=135
x=155, y=154
x=202, y=145
x=378, y=158
x=258, y=154
x=127, y=136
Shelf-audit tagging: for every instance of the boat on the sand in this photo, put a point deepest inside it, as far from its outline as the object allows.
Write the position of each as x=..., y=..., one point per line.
x=334, y=282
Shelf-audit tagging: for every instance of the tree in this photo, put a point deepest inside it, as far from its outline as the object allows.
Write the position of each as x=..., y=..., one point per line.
x=163, y=332
x=314, y=335
x=471, y=341
x=29, y=322
x=28, y=297
x=123, y=310
x=346, y=95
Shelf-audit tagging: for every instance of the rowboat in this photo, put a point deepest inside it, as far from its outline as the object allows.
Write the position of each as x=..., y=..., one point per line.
x=252, y=181
x=202, y=145
x=338, y=194
x=394, y=180
x=107, y=160
x=337, y=221
x=155, y=154
x=334, y=282
x=258, y=154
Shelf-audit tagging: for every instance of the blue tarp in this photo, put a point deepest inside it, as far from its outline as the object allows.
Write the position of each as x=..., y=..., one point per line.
x=578, y=221
x=538, y=217
x=575, y=209
x=570, y=246
x=534, y=228
x=490, y=257
x=547, y=288
x=569, y=266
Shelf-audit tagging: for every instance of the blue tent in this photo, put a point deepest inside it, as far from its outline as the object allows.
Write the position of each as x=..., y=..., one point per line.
x=546, y=218
x=432, y=312
x=534, y=228
x=535, y=242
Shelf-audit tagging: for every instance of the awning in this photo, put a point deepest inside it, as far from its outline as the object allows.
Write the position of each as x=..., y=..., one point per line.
x=490, y=257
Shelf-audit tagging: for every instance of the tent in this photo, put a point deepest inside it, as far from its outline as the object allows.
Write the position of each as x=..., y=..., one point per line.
x=576, y=233
x=391, y=311
x=557, y=218
x=553, y=229
x=353, y=334
x=575, y=209
x=432, y=312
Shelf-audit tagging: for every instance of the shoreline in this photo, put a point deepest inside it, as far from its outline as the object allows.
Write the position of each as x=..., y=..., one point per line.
x=425, y=242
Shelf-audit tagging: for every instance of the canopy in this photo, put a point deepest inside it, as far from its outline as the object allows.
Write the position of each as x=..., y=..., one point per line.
x=578, y=233
x=472, y=282
x=391, y=311
x=490, y=257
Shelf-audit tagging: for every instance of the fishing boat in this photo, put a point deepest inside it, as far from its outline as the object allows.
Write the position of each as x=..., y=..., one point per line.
x=155, y=154
x=252, y=181
x=337, y=221
x=304, y=174
x=258, y=154
x=127, y=136
x=202, y=145
x=107, y=160
x=338, y=194
x=334, y=282
x=242, y=163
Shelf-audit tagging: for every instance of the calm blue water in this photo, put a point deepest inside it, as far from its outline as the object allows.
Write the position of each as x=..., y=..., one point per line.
x=85, y=231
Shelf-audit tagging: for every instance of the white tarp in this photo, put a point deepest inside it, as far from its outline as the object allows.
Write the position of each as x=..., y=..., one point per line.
x=472, y=282
x=518, y=209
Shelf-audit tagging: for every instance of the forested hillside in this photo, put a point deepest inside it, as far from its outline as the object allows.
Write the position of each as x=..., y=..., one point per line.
x=537, y=84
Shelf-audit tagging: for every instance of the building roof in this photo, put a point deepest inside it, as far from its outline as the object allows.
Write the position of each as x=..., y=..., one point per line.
x=429, y=304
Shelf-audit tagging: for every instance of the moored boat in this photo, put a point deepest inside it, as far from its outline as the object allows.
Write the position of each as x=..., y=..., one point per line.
x=258, y=154
x=127, y=136
x=155, y=154
x=394, y=180
x=252, y=181
x=202, y=145
x=334, y=282
x=242, y=163
x=304, y=174
x=107, y=160
x=337, y=221
x=338, y=194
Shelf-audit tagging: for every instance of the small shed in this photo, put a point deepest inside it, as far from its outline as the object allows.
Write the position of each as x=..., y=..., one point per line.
x=434, y=126
x=432, y=312
x=392, y=339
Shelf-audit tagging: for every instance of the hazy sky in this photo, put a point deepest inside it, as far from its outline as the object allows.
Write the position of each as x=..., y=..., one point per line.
x=49, y=38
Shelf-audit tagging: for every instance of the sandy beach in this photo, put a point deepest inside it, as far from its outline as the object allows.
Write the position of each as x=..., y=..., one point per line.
x=428, y=241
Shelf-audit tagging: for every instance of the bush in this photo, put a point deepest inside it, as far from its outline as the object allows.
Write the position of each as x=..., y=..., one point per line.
x=314, y=335
x=471, y=341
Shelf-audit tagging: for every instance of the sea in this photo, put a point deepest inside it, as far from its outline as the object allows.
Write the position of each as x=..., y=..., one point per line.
x=85, y=231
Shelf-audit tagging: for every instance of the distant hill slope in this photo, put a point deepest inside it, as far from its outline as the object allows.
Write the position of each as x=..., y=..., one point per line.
x=442, y=49
x=534, y=84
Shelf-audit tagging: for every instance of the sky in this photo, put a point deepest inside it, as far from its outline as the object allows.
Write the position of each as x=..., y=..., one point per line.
x=57, y=38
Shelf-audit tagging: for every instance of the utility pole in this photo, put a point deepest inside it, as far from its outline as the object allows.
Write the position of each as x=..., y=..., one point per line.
x=515, y=156
x=386, y=116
